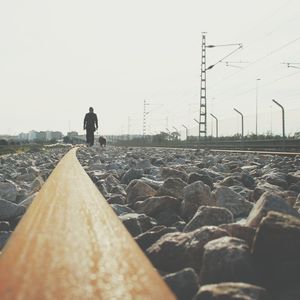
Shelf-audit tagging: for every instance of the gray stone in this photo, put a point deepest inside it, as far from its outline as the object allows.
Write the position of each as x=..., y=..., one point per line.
x=276, y=179
x=4, y=236
x=175, y=251
x=225, y=197
x=169, y=217
x=268, y=202
x=139, y=191
x=239, y=231
x=121, y=209
x=172, y=187
x=26, y=202
x=137, y=223
x=116, y=199
x=4, y=226
x=276, y=250
x=183, y=283
x=9, y=210
x=167, y=172
x=209, y=215
x=231, y=291
x=132, y=174
x=193, y=177
x=36, y=184
x=154, y=205
x=226, y=259
x=8, y=191
x=195, y=195
x=146, y=239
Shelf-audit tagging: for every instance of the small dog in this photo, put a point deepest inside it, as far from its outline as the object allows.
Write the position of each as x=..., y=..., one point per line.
x=102, y=141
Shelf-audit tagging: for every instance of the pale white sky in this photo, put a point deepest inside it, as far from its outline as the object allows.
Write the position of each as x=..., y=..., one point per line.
x=59, y=57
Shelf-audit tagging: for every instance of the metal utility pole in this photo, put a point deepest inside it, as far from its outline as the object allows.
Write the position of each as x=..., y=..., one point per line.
x=177, y=131
x=203, y=114
x=217, y=125
x=186, y=131
x=283, y=120
x=128, y=129
x=169, y=133
x=242, y=116
x=203, y=108
x=144, y=118
x=256, y=107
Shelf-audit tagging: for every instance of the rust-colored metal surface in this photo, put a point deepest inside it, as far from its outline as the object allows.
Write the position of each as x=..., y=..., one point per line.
x=71, y=245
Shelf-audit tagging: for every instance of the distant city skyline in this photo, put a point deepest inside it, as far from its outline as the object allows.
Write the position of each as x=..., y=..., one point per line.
x=59, y=58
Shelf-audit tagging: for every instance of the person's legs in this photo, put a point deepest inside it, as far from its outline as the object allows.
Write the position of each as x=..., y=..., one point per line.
x=89, y=134
x=92, y=138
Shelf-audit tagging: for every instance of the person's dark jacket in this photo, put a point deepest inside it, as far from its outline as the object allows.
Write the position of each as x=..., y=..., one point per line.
x=90, y=121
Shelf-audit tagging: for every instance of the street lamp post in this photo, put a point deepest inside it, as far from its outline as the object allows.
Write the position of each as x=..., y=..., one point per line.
x=242, y=118
x=176, y=131
x=283, y=121
x=256, y=107
x=186, y=131
x=168, y=131
x=217, y=125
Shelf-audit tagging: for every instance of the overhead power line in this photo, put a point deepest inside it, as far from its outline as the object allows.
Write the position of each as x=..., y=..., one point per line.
x=257, y=60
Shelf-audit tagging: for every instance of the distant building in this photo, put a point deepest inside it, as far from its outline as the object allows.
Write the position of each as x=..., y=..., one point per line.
x=41, y=136
x=32, y=135
x=72, y=134
x=53, y=135
x=23, y=136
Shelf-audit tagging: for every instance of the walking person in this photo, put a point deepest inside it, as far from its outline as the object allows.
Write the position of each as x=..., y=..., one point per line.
x=90, y=124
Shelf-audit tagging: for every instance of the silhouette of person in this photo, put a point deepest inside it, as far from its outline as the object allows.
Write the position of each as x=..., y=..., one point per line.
x=90, y=124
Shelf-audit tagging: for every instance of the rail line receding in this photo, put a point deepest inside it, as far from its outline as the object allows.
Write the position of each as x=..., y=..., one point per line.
x=71, y=245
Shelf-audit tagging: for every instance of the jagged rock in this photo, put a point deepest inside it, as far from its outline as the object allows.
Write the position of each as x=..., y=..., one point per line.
x=111, y=182
x=231, y=291
x=132, y=174
x=26, y=202
x=36, y=184
x=14, y=222
x=4, y=236
x=230, y=181
x=121, y=209
x=137, y=223
x=276, y=179
x=154, y=205
x=8, y=191
x=146, y=239
x=172, y=187
x=175, y=251
x=195, y=195
x=247, y=180
x=168, y=217
x=139, y=191
x=268, y=202
x=209, y=215
x=183, y=283
x=9, y=210
x=225, y=197
x=4, y=226
x=167, y=172
x=193, y=177
x=226, y=259
x=239, y=231
x=116, y=199
x=153, y=183
x=276, y=250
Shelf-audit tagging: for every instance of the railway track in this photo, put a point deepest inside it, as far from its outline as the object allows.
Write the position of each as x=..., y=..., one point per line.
x=271, y=146
x=71, y=245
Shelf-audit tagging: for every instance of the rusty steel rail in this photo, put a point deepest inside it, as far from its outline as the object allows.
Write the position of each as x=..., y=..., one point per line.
x=71, y=245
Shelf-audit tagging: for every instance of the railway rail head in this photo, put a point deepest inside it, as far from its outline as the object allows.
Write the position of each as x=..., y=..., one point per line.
x=71, y=245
